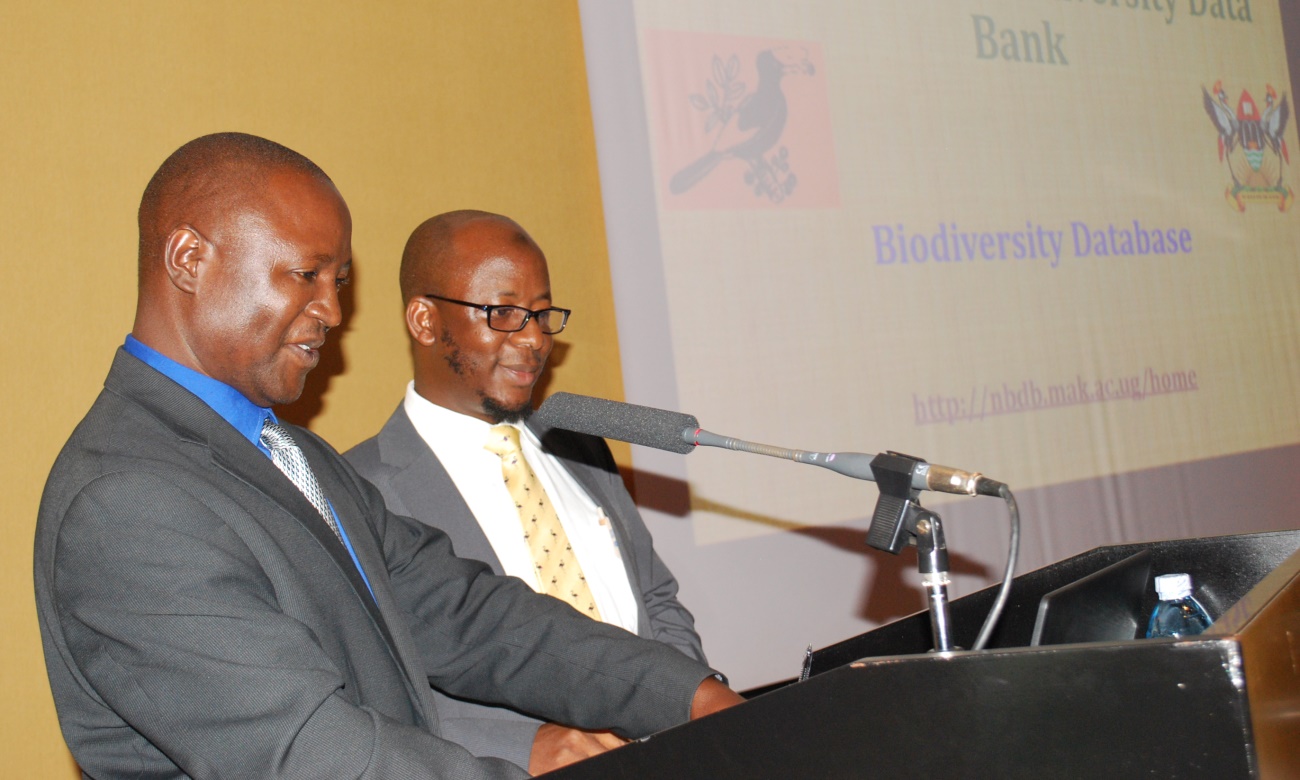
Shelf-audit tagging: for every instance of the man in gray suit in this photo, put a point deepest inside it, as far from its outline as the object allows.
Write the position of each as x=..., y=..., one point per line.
x=222, y=596
x=480, y=317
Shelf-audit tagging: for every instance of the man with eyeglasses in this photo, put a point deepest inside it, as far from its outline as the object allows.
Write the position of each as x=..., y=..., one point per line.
x=459, y=454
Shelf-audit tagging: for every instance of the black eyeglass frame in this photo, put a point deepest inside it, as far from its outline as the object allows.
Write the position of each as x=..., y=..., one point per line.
x=489, y=308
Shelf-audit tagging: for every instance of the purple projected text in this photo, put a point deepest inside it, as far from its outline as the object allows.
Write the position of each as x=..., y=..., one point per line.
x=1031, y=395
x=950, y=243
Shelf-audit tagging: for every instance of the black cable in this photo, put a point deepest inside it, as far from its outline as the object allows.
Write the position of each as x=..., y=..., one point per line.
x=1012, y=554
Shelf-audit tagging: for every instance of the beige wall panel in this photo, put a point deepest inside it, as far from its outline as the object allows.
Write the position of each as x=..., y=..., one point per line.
x=412, y=107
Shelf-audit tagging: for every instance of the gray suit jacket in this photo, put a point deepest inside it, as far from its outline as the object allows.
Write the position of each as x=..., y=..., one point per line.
x=200, y=620
x=414, y=483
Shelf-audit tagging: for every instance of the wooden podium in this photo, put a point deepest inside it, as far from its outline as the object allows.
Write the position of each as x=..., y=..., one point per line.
x=1223, y=705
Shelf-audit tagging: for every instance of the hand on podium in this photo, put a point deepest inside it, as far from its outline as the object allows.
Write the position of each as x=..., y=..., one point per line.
x=556, y=746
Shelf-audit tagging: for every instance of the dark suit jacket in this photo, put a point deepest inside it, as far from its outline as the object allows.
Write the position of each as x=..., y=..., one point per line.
x=414, y=483
x=200, y=620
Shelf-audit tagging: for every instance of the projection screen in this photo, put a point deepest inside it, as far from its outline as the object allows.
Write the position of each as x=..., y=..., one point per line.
x=1054, y=242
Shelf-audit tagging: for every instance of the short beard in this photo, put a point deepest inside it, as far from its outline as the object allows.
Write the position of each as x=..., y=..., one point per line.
x=499, y=412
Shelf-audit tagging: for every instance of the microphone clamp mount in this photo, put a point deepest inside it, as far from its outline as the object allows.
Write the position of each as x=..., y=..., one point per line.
x=899, y=520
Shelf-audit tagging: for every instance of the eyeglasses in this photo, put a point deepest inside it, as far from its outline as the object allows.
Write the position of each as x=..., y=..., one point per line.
x=510, y=319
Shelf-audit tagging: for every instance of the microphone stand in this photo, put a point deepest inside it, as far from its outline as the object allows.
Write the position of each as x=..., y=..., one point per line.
x=932, y=563
x=899, y=520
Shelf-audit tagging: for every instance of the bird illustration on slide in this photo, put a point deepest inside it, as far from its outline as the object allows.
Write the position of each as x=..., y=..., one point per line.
x=1274, y=121
x=749, y=125
x=1216, y=105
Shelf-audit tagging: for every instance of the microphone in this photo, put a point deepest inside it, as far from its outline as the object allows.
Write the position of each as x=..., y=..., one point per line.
x=681, y=433
x=634, y=424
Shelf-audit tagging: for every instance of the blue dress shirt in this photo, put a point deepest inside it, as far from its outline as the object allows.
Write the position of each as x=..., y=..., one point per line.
x=246, y=416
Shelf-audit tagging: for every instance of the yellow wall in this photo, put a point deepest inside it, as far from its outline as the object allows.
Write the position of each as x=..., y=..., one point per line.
x=412, y=107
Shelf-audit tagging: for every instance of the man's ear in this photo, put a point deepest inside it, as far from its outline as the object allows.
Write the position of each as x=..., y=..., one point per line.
x=423, y=321
x=183, y=256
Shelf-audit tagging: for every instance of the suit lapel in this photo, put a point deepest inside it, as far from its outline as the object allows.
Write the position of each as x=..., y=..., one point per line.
x=262, y=474
x=231, y=452
x=428, y=493
x=193, y=420
x=383, y=608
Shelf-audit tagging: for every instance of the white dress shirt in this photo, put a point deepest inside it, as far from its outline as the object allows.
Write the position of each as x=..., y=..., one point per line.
x=458, y=441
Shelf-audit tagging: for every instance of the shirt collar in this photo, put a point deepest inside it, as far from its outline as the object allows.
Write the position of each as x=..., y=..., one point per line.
x=234, y=408
x=432, y=421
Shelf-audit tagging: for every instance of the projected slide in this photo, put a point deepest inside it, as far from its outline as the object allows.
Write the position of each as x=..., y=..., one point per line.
x=1051, y=241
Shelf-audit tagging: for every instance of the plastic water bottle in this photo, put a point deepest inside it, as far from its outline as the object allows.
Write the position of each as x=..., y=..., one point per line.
x=1178, y=613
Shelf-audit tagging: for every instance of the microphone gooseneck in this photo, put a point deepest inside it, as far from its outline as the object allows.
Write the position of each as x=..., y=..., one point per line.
x=681, y=433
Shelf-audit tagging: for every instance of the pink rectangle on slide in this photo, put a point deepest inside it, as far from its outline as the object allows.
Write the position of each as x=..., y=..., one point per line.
x=739, y=122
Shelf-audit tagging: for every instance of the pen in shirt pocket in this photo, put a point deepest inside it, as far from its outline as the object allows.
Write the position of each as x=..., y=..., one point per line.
x=609, y=528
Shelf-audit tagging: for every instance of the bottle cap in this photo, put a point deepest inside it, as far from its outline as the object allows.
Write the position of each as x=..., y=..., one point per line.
x=1173, y=586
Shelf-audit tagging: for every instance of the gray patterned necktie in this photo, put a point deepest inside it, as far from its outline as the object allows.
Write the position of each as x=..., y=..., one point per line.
x=288, y=457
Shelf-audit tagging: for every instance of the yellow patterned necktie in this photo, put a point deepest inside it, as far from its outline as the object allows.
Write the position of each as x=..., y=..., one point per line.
x=558, y=572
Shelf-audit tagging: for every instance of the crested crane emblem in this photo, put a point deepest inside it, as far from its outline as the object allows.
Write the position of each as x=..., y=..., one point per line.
x=1252, y=143
x=745, y=126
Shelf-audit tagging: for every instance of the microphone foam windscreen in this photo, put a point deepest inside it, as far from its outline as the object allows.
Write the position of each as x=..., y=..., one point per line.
x=614, y=420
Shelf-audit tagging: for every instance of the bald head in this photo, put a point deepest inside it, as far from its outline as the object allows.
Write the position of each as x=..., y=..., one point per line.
x=208, y=177
x=243, y=244
x=471, y=261
x=430, y=258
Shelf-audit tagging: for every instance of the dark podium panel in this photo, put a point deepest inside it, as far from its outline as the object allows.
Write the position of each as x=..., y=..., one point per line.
x=1223, y=705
